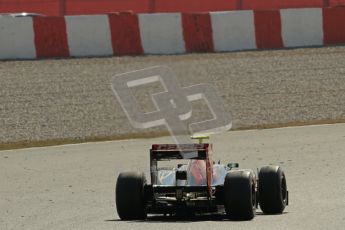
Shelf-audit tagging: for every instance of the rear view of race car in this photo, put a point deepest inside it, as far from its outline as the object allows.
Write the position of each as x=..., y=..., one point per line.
x=199, y=186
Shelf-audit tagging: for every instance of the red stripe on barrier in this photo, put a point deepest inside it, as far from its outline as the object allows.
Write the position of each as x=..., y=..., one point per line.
x=268, y=29
x=50, y=37
x=125, y=34
x=333, y=25
x=197, y=32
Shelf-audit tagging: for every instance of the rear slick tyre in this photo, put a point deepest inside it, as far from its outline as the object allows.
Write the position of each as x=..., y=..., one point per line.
x=129, y=196
x=272, y=190
x=240, y=195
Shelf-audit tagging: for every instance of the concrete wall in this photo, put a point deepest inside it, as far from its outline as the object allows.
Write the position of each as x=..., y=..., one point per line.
x=169, y=33
x=78, y=7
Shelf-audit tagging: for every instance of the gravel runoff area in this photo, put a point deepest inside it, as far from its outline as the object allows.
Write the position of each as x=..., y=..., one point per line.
x=71, y=99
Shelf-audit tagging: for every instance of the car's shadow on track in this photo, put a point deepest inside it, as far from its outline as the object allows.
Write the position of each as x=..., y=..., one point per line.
x=195, y=218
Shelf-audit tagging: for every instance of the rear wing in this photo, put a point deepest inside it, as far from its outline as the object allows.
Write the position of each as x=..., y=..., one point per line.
x=173, y=151
x=161, y=152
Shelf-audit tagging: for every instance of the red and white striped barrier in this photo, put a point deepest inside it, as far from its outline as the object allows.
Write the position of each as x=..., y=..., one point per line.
x=169, y=33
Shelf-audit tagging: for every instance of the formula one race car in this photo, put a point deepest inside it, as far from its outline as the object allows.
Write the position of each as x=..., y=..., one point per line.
x=200, y=186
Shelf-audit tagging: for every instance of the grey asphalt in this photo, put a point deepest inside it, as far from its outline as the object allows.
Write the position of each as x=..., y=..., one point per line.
x=72, y=186
x=71, y=98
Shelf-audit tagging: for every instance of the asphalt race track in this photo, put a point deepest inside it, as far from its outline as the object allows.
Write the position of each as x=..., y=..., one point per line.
x=72, y=186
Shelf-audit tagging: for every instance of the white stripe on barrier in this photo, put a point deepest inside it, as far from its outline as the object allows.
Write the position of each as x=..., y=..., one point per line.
x=233, y=30
x=17, y=38
x=161, y=33
x=302, y=27
x=89, y=35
